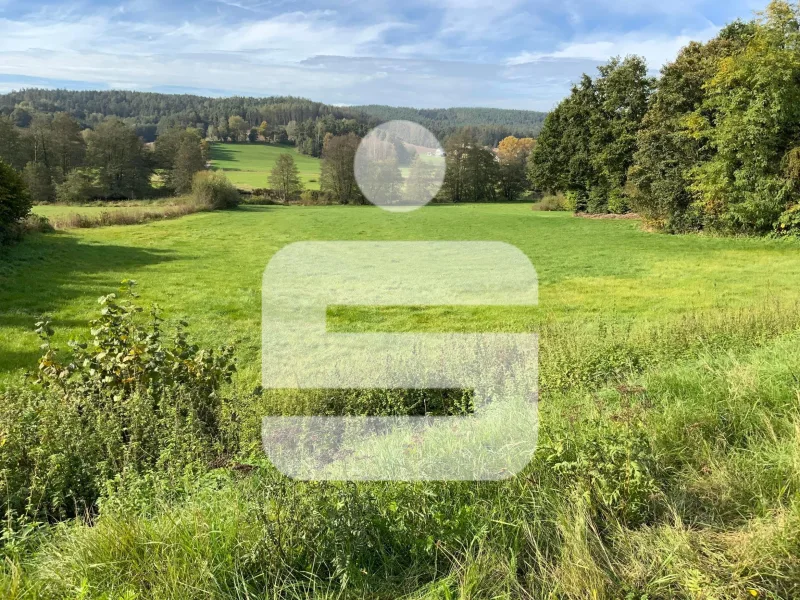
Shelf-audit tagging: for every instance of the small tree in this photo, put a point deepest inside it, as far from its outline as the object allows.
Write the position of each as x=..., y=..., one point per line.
x=79, y=186
x=285, y=177
x=39, y=182
x=338, y=175
x=238, y=128
x=15, y=203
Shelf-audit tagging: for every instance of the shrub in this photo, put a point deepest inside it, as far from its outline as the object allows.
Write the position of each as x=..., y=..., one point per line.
x=262, y=197
x=316, y=197
x=79, y=186
x=617, y=202
x=597, y=202
x=15, y=203
x=575, y=201
x=213, y=190
x=553, y=202
x=129, y=401
x=36, y=224
x=789, y=221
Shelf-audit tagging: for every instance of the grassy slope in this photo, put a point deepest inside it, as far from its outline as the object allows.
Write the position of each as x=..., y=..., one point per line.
x=249, y=165
x=209, y=266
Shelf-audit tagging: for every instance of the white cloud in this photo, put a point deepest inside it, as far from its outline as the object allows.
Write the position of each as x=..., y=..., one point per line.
x=286, y=37
x=657, y=50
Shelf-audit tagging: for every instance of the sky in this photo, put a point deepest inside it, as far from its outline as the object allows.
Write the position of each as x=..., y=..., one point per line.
x=421, y=53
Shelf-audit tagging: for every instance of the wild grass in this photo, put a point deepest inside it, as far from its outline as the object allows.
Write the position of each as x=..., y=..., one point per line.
x=127, y=216
x=681, y=482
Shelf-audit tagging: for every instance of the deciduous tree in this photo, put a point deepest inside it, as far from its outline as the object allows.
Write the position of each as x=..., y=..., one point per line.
x=285, y=177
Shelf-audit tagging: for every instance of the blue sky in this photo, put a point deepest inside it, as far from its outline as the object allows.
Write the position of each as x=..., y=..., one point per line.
x=423, y=53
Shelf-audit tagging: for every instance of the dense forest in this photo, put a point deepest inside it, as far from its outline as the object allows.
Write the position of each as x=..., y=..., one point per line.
x=490, y=125
x=713, y=144
x=307, y=122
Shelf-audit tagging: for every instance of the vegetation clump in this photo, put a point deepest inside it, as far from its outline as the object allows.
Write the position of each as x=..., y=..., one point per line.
x=129, y=400
x=213, y=191
x=15, y=203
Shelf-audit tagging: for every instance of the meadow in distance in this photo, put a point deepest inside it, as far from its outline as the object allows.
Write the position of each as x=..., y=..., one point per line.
x=668, y=457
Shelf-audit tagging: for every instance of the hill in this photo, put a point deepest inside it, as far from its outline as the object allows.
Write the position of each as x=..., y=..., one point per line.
x=521, y=123
x=152, y=113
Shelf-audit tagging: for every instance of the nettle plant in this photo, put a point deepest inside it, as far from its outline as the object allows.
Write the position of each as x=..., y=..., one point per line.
x=128, y=401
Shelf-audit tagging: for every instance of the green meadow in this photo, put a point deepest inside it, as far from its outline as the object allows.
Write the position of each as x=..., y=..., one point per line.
x=668, y=463
x=209, y=267
x=248, y=165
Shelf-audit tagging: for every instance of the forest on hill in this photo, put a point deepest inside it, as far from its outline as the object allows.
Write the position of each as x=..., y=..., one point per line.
x=152, y=113
x=502, y=122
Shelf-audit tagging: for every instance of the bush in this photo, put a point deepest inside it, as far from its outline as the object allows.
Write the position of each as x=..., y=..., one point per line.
x=597, y=202
x=15, y=203
x=214, y=191
x=79, y=186
x=789, y=221
x=617, y=202
x=575, y=201
x=132, y=216
x=316, y=197
x=37, y=224
x=129, y=401
x=554, y=202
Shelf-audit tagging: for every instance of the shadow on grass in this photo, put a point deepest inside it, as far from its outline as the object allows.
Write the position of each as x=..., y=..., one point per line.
x=46, y=272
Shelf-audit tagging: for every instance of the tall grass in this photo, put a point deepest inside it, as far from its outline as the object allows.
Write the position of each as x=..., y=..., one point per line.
x=668, y=467
x=129, y=216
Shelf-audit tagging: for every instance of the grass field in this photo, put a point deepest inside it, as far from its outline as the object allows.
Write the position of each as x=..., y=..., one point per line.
x=588, y=269
x=248, y=165
x=669, y=447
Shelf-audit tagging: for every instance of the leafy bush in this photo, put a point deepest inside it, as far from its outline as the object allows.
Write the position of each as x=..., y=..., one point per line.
x=79, y=186
x=598, y=201
x=214, y=191
x=15, y=203
x=617, y=202
x=789, y=222
x=129, y=401
x=574, y=201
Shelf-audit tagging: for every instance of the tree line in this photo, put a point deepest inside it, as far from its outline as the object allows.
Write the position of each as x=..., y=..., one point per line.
x=280, y=118
x=474, y=172
x=712, y=144
x=61, y=161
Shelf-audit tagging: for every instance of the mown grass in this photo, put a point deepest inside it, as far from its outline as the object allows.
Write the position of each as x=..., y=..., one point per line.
x=669, y=445
x=248, y=165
